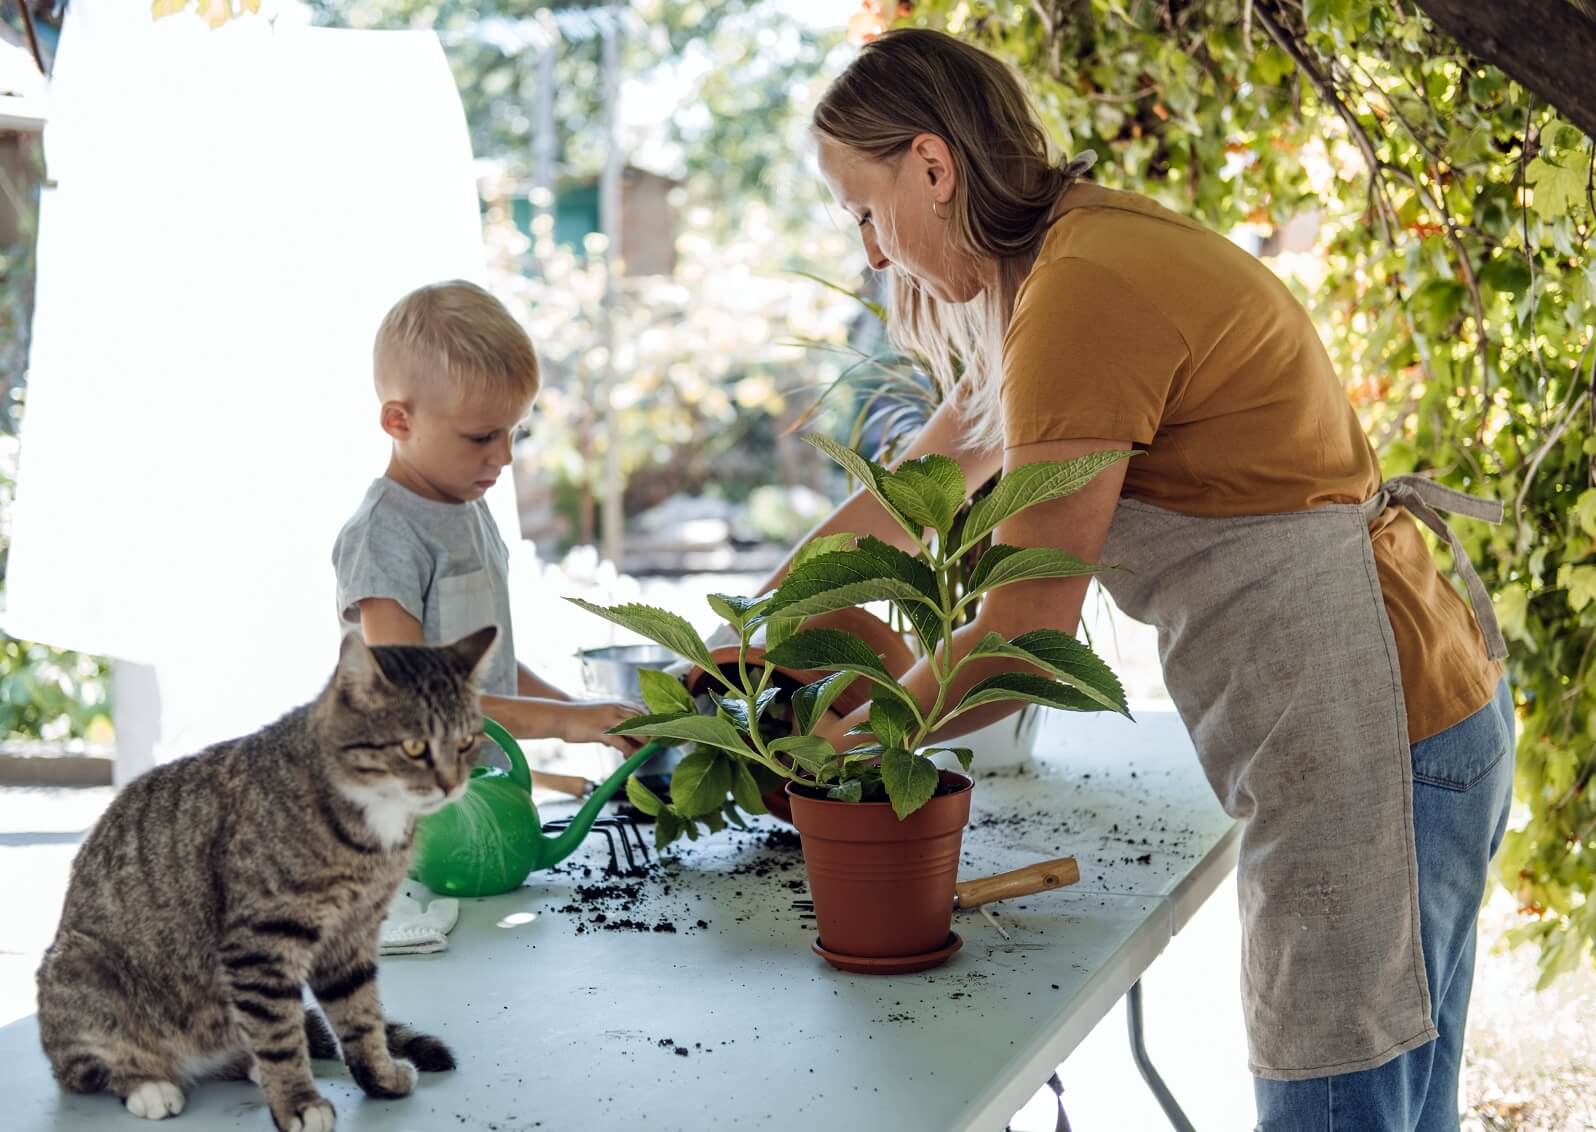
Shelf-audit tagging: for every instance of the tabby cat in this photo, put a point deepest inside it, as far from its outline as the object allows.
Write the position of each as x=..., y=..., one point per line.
x=215, y=888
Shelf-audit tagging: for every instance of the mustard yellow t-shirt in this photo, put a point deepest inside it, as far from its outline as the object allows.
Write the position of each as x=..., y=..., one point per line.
x=1138, y=325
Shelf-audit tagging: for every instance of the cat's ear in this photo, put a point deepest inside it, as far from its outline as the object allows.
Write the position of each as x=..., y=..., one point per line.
x=357, y=664
x=472, y=651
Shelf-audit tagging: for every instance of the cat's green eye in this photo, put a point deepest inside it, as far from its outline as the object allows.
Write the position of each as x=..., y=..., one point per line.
x=469, y=741
x=415, y=748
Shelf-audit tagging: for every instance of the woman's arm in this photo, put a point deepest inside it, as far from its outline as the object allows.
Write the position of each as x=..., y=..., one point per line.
x=1076, y=523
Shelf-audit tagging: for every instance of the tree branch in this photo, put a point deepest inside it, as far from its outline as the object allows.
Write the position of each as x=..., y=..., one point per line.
x=1545, y=45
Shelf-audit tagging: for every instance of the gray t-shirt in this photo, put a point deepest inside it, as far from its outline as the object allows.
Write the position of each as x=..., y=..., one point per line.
x=444, y=563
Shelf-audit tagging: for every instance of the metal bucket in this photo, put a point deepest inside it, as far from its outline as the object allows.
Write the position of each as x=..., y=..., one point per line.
x=611, y=672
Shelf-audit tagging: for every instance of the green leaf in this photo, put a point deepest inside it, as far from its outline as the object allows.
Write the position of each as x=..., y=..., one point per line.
x=700, y=782
x=780, y=629
x=1024, y=686
x=834, y=650
x=643, y=798
x=1559, y=189
x=1002, y=565
x=963, y=754
x=810, y=752
x=1435, y=305
x=810, y=702
x=1030, y=484
x=910, y=780
x=667, y=828
x=710, y=729
x=658, y=625
x=1507, y=273
x=663, y=694
x=1063, y=657
x=735, y=711
x=745, y=791
x=869, y=473
x=891, y=721
x=763, y=702
x=929, y=490
x=822, y=544
x=736, y=611
x=1580, y=581
x=849, y=791
x=895, y=563
x=735, y=817
x=1585, y=511
x=840, y=580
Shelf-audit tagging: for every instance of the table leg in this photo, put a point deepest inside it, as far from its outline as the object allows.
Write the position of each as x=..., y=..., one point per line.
x=1063, y=1122
x=1166, y=1101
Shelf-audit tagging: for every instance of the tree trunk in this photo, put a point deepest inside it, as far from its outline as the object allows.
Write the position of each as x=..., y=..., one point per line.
x=1548, y=46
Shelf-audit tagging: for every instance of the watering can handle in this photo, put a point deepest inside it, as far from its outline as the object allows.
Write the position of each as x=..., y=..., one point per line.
x=520, y=773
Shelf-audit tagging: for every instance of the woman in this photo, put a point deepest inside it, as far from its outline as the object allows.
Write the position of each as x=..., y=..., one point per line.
x=1341, y=695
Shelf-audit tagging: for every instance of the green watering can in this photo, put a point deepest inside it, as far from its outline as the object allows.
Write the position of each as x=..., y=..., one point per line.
x=490, y=840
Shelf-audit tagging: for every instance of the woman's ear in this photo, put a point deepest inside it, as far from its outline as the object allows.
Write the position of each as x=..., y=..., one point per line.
x=937, y=166
x=396, y=419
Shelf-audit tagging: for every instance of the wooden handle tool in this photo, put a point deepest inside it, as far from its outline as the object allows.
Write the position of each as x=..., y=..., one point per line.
x=573, y=784
x=1040, y=877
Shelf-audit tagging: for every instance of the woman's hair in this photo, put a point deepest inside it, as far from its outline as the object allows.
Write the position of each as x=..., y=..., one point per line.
x=914, y=81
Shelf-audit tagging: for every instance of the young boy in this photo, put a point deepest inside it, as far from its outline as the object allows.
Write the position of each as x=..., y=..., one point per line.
x=421, y=561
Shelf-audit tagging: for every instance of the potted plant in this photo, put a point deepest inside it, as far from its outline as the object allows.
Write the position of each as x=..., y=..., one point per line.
x=881, y=826
x=894, y=398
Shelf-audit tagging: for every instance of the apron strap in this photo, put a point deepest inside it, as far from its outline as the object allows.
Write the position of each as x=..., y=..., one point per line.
x=1423, y=498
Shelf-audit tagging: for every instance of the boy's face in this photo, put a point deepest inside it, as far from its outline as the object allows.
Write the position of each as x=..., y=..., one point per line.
x=453, y=452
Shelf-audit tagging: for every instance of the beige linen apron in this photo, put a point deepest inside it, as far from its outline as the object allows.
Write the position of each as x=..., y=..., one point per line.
x=1279, y=656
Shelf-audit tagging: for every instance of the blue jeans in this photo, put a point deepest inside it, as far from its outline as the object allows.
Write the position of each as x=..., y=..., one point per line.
x=1462, y=788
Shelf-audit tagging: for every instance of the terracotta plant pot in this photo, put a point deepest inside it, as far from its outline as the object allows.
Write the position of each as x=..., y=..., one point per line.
x=887, y=643
x=883, y=888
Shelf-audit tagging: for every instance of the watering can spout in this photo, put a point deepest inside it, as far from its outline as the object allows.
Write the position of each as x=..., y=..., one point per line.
x=556, y=849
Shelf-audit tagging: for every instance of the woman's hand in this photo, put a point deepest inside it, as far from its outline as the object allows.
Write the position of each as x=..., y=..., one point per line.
x=587, y=721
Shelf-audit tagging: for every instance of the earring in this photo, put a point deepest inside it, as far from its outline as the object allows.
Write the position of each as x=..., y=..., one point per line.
x=934, y=212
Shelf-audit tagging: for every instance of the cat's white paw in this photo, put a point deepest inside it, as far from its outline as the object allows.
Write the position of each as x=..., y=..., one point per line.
x=155, y=1100
x=318, y=1116
x=406, y=1072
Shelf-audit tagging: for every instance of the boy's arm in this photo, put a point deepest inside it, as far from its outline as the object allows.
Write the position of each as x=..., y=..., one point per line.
x=384, y=621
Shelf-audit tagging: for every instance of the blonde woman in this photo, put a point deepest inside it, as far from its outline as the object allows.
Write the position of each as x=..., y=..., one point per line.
x=1345, y=701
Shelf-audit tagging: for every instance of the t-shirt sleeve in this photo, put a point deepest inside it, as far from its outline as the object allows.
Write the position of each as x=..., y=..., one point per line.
x=1086, y=356
x=378, y=556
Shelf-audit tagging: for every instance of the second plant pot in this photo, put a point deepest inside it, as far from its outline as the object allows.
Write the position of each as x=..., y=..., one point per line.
x=883, y=888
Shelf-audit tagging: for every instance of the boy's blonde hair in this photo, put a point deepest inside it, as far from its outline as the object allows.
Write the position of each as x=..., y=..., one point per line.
x=453, y=340
x=914, y=81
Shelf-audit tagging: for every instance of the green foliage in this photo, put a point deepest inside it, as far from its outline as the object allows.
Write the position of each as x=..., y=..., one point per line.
x=925, y=497
x=1451, y=283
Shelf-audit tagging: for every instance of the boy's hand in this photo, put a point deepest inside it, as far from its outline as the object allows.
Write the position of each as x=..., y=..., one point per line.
x=587, y=722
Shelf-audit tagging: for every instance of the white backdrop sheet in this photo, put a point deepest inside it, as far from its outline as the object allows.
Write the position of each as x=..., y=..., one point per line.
x=231, y=213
